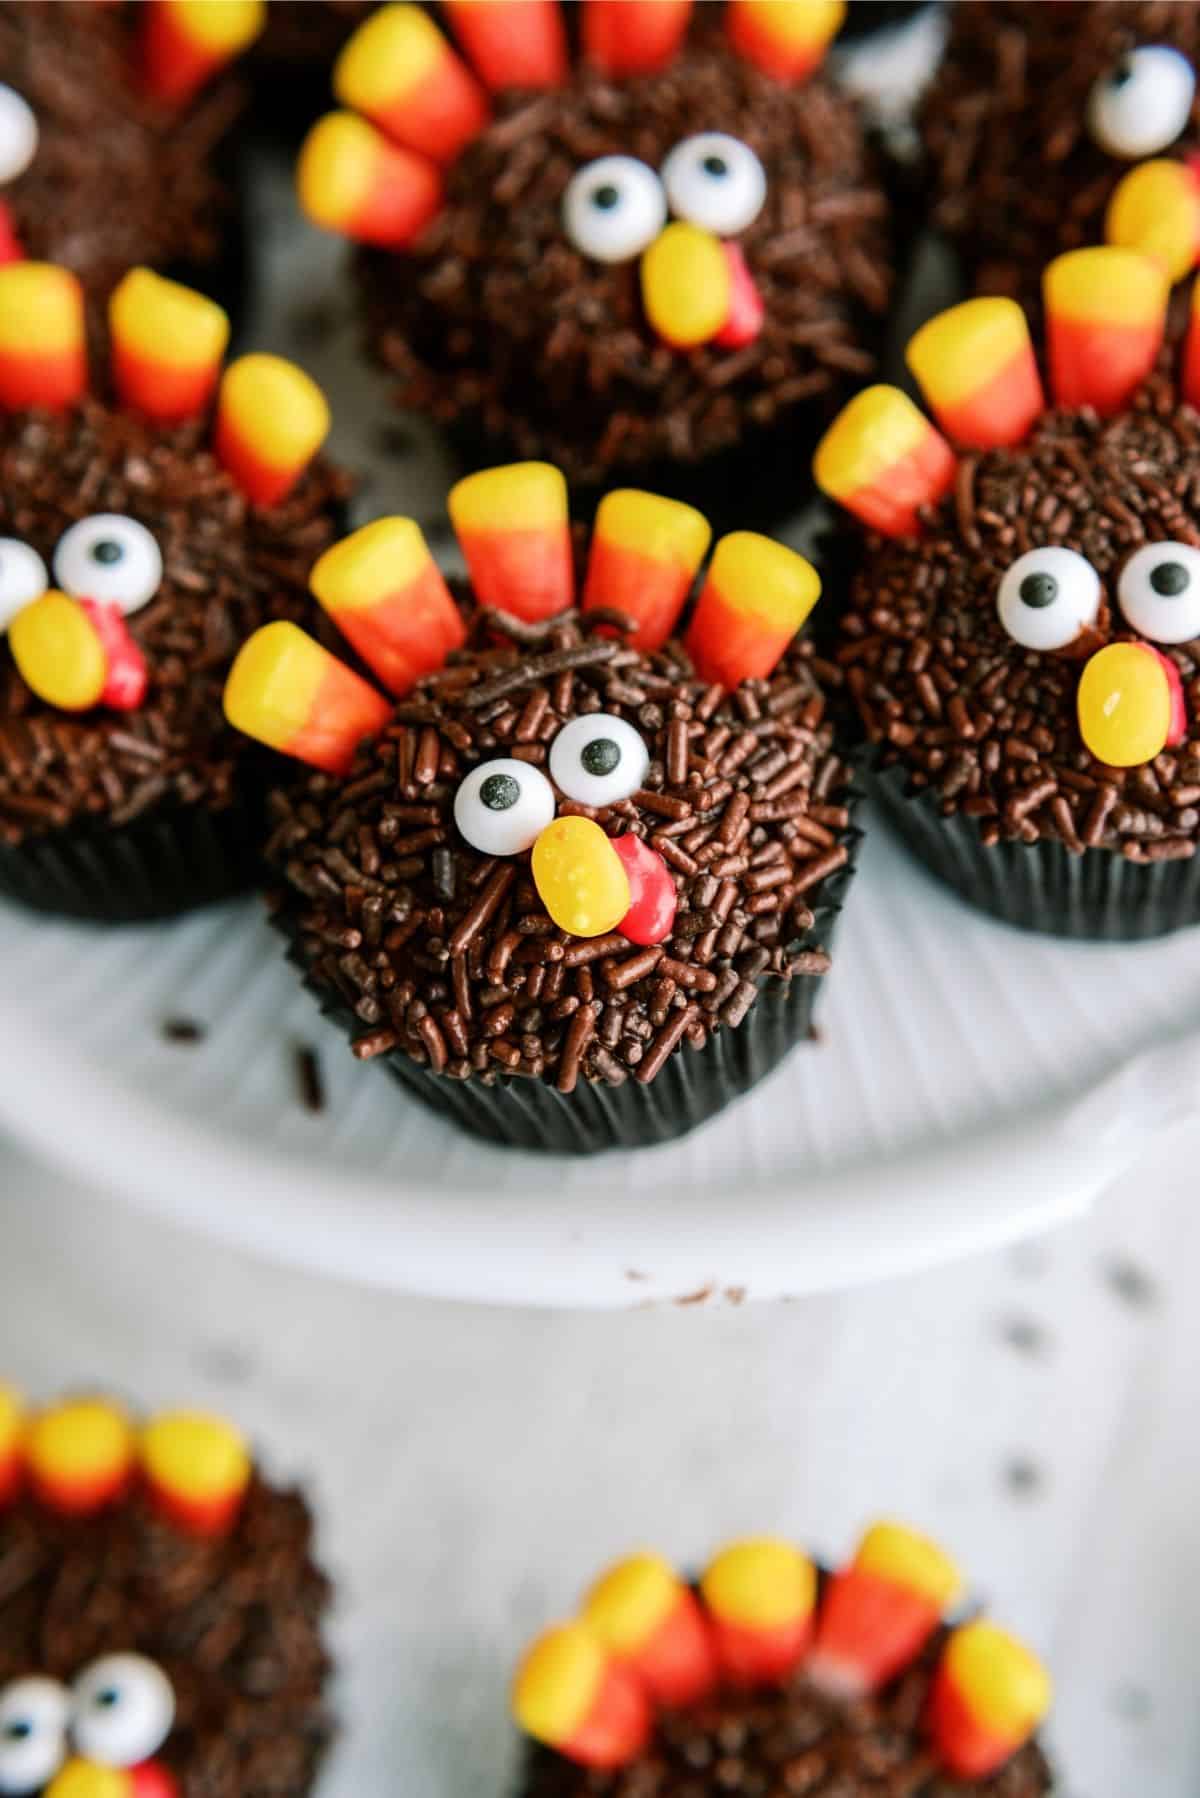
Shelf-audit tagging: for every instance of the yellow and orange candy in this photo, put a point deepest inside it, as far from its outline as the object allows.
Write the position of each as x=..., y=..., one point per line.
x=878, y=1613
x=645, y=1615
x=577, y=1698
x=196, y=1469
x=387, y=596
x=882, y=460
x=760, y=1595
x=513, y=43
x=644, y=556
x=43, y=350
x=988, y=1697
x=185, y=42
x=977, y=371
x=352, y=180
x=633, y=37
x=398, y=71
x=272, y=419
x=785, y=38
x=80, y=1455
x=167, y=346
x=512, y=525
x=1105, y=317
x=1155, y=209
x=288, y=692
x=12, y=1436
x=756, y=596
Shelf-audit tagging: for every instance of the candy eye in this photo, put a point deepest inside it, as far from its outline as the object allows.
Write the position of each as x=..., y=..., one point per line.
x=23, y=577
x=613, y=208
x=598, y=760
x=1159, y=591
x=1047, y=597
x=18, y=134
x=33, y=1726
x=1142, y=104
x=715, y=181
x=109, y=558
x=123, y=1709
x=503, y=807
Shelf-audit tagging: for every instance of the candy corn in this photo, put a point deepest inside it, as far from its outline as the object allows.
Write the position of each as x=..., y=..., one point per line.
x=399, y=71
x=284, y=690
x=633, y=37
x=648, y=1618
x=272, y=419
x=580, y=878
x=12, y=1429
x=512, y=43
x=512, y=525
x=755, y=598
x=785, y=38
x=760, y=1595
x=878, y=1613
x=196, y=1468
x=1191, y=352
x=687, y=285
x=1124, y=702
x=351, y=180
x=1105, y=316
x=883, y=461
x=977, y=371
x=184, y=42
x=59, y=652
x=576, y=1697
x=644, y=556
x=989, y=1695
x=386, y=595
x=1155, y=209
x=79, y=1455
x=43, y=354
x=167, y=345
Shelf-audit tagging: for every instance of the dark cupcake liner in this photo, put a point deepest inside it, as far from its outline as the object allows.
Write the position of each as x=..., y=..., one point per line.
x=172, y=859
x=1098, y=896
x=691, y=1088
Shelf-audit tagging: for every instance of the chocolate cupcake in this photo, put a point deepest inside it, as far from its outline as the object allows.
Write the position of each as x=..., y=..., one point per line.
x=1052, y=127
x=1022, y=637
x=160, y=1614
x=519, y=273
x=134, y=558
x=109, y=126
x=576, y=888
x=771, y=1676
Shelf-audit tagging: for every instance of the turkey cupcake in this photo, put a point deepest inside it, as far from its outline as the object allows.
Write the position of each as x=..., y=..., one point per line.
x=110, y=123
x=161, y=1615
x=771, y=1675
x=1051, y=127
x=635, y=258
x=1022, y=637
x=575, y=882
x=152, y=513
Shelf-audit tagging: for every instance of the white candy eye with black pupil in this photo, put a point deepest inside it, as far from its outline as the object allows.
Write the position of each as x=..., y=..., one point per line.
x=23, y=578
x=502, y=807
x=33, y=1733
x=598, y=760
x=122, y=1710
x=1159, y=592
x=1143, y=104
x=614, y=208
x=1047, y=597
x=18, y=134
x=109, y=558
x=715, y=181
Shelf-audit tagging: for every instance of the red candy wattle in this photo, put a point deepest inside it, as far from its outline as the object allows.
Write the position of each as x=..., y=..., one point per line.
x=10, y=242
x=651, y=914
x=127, y=678
x=1178, y=728
x=746, y=309
x=152, y=1780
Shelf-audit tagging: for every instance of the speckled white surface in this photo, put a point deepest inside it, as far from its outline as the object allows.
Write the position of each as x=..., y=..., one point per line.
x=1036, y=1408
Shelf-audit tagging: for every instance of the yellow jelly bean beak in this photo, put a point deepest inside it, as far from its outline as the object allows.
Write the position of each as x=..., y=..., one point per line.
x=580, y=877
x=1155, y=208
x=59, y=653
x=687, y=285
x=1124, y=705
x=87, y=1779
